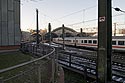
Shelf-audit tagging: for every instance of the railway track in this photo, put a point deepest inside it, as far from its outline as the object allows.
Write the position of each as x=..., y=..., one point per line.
x=80, y=60
x=118, y=58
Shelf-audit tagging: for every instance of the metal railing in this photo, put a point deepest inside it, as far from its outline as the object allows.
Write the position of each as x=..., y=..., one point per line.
x=38, y=70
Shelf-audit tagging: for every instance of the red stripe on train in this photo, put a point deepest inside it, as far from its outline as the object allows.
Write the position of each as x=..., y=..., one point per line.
x=96, y=45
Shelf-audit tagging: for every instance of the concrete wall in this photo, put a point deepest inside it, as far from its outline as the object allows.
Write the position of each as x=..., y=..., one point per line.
x=10, y=33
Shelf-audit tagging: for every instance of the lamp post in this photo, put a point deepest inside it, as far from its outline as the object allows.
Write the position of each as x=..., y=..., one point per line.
x=119, y=10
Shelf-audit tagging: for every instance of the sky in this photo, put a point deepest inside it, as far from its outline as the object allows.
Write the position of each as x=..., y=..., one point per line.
x=74, y=14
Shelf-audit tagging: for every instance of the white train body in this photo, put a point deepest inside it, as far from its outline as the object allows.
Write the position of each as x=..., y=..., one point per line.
x=118, y=42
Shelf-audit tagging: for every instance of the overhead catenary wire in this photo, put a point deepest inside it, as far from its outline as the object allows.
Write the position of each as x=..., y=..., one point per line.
x=91, y=20
x=58, y=20
x=81, y=21
x=77, y=12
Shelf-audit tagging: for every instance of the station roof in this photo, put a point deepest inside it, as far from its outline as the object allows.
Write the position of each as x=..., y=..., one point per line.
x=66, y=28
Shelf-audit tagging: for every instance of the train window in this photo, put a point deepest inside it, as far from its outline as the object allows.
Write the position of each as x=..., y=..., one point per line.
x=89, y=41
x=60, y=40
x=121, y=43
x=113, y=42
x=94, y=41
x=85, y=41
x=81, y=41
x=68, y=40
x=75, y=40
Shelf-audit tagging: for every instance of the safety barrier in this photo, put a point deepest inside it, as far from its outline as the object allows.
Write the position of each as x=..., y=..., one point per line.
x=41, y=69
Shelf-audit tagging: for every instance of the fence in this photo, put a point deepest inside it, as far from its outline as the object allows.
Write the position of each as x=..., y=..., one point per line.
x=38, y=70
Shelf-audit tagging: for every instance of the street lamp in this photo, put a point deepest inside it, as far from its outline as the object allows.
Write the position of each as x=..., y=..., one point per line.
x=118, y=9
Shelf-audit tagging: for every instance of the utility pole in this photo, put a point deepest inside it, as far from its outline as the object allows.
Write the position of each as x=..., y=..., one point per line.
x=63, y=35
x=49, y=28
x=104, y=67
x=81, y=32
x=37, y=27
x=114, y=29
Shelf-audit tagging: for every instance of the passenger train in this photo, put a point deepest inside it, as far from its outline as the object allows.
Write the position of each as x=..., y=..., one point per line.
x=118, y=42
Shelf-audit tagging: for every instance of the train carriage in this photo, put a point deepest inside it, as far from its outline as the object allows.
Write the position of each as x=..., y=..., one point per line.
x=118, y=42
